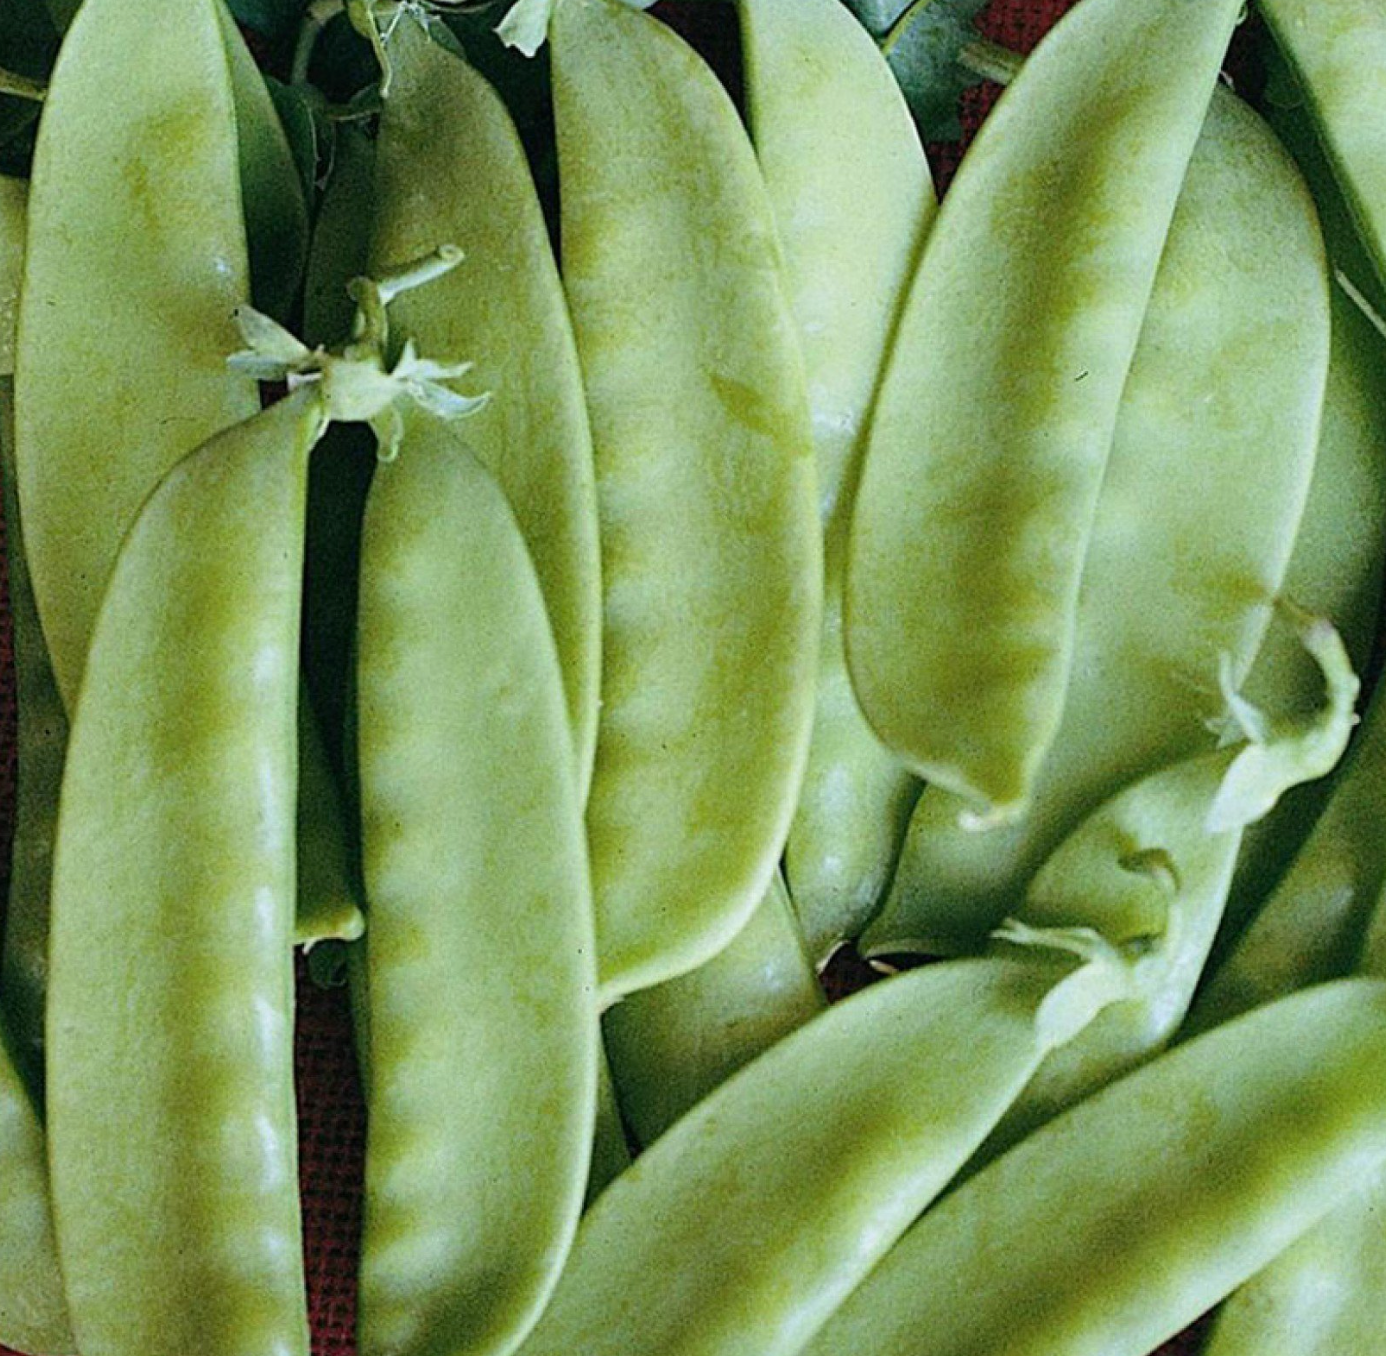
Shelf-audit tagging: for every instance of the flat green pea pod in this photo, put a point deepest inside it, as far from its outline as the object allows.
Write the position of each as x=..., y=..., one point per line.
x=851, y=192
x=450, y=166
x=711, y=545
x=1336, y=48
x=33, y=1312
x=1118, y=1224
x=482, y=1103
x=672, y=1045
x=171, y=1117
x=748, y=1222
x=1336, y=569
x=1000, y=402
x=276, y=215
x=1157, y=861
x=1193, y=530
x=1322, y=1297
x=136, y=261
x=1311, y=928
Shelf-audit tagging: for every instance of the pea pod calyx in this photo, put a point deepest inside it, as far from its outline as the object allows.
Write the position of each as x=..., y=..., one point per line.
x=357, y=385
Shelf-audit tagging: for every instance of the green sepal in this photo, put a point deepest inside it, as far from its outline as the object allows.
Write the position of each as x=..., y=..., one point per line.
x=923, y=48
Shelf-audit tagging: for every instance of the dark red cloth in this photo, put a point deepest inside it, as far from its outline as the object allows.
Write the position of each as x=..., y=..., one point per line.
x=331, y=1116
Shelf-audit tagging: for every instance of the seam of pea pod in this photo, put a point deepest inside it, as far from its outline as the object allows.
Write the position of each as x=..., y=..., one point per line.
x=683, y=555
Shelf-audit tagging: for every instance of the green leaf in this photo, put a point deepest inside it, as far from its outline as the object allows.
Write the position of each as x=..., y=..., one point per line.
x=877, y=16
x=273, y=18
x=923, y=49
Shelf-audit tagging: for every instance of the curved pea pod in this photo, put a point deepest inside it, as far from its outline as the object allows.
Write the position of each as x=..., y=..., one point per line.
x=450, y=166
x=1325, y=1296
x=171, y=1115
x=276, y=215
x=747, y=1223
x=711, y=546
x=999, y=405
x=1335, y=48
x=136, y=260
x=1193, y=530
x=33, y=1313
x=1312, y=926
x=1115, y=1226
x=482, y=1094
x=672, y=1045
x=1152, y=868
x=41, y=739
x=1336, y=569
x=852, y=197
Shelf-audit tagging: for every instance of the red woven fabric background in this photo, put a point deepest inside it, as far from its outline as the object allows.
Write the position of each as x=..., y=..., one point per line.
x=331, y=1114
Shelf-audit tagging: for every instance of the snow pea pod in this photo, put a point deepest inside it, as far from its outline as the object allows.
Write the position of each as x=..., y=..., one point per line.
x=482, y=1096
x=1157, y=860
x=705, y=487
x=33, y=1312
x=1118, y=1224
x=136, y=260
x=450, y=166
x=1000, y=401
x=672, y=1045
x=1225, y=392
x=171, y=1116
x=743, y=1227
x=1336, y=48
x=852, y=197
x=276, y=215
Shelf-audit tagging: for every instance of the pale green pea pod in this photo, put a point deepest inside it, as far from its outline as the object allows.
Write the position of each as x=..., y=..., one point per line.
x=33, y=1312
x=705, y=487
x=1325, y=1296
x=449, y=166
x=1336, y=570
x=1118, y=1224
x=1156, y=863
x=136, y=261
x=126, y=312
x=170, y=1099
x=991, y=436
x=171, y=1114
x=1192, y=534
x=672, y=1045
x=750, y=1220
x=1312, y=926
x=1336, y=49
x=851, y=192
x=482, y=1104
x=276, y=215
